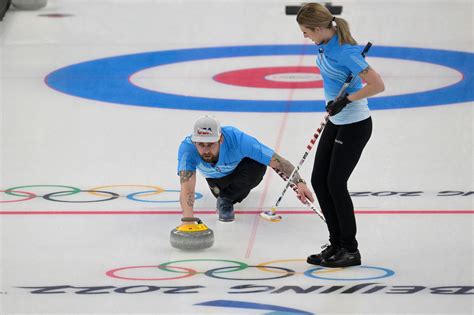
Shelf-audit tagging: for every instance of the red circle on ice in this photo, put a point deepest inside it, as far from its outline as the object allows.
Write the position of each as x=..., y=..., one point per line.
x=296, y=77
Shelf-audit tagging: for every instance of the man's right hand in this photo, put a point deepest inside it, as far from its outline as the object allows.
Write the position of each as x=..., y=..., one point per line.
x=188, y=221
x=304, y=193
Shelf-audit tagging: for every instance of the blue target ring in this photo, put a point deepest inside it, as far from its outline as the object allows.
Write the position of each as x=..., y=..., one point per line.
x=107, y=79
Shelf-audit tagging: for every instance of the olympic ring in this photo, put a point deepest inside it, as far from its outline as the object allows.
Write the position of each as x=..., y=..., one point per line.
x=284, y=272
x=48, y=197
x=132, y=196
x=73, y=191
x=155, y=192
x=98, y=191
x=387, y=272
x=263, y=266
x=289, y=273
x=28, y=195
x=111, y=273
x=240, y=266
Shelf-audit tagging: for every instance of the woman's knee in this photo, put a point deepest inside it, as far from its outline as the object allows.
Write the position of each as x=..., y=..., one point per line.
x=336, y=185
x=318, y=179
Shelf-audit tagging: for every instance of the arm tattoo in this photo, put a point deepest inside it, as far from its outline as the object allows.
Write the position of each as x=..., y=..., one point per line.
x=184, y=176
x=285, y=167
x=190, y=201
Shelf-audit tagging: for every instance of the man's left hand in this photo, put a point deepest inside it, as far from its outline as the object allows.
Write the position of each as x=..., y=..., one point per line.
x=335, y=106
x=304, y=193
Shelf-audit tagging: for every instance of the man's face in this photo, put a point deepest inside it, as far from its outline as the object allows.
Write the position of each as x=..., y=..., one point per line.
x=209, y=151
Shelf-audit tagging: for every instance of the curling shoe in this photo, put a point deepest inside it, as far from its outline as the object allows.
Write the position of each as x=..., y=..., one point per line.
x=328, y=251
x=342, y=258
x=225, y=208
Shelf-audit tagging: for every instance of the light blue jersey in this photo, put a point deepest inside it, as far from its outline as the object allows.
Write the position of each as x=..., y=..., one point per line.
x=236, y=146
x=336, y=62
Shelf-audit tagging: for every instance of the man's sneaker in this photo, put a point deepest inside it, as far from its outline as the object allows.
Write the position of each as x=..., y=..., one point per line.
x=342, y=258
x=328, y=251
x=225, y=208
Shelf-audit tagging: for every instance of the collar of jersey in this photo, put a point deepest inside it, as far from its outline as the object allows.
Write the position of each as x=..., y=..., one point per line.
x=329, y=45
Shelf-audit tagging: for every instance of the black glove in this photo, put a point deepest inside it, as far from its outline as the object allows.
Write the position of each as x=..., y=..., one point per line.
x=334, y=107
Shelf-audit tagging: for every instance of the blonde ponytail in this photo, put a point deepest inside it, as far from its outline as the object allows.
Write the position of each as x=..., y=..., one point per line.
x=343, y=31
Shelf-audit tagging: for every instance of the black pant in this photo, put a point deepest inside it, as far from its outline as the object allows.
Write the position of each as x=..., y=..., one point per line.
x=4, y=6
x=339, y=150
x=238, y=184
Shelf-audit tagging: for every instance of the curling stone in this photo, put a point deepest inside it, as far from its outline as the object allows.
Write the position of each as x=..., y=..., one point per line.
x=29, y=4
x=192, y=236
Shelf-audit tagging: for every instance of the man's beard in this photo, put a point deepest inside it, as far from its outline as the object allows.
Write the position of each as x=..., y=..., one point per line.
x=210, y=158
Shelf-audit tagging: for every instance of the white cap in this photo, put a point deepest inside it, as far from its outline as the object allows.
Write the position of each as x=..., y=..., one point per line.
x=206, y=129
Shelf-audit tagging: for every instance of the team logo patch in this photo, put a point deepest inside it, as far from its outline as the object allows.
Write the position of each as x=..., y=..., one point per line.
x=204, y=131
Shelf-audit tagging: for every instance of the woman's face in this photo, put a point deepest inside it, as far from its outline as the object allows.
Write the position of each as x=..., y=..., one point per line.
x=315, y=35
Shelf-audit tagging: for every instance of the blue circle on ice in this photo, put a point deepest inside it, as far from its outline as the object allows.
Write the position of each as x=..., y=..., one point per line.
x=108, y=79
